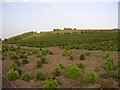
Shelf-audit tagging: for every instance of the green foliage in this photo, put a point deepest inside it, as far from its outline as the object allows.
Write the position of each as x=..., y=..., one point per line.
x=62, y=66
x=25, y=61
x=39, y=55
x=51, y=84
x=87, y=54
x=98, y=40
x=12, y=75
x=72, y=57
x=13, y=66
x=43, y=60
x=57, y=71
x=80, y=65
x=117, y=75
x=50, y=53
x=13, y=57
x=17, y=62
x=110, y=63
x=39, y=64
x=65, y=53
x=82, y=57
x=22, y=56
x=90, y=77
x=26, y=77
x=40, y=75
x=73, y=71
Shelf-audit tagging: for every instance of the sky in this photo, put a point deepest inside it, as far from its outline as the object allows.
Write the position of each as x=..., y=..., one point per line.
x=19, y=17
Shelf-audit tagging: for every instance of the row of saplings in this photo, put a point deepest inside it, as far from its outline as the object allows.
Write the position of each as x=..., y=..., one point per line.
x=23, y=52
x=71, y=55
x=72, y=71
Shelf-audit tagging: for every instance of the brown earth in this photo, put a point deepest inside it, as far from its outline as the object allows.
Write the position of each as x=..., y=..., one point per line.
x=95, y=61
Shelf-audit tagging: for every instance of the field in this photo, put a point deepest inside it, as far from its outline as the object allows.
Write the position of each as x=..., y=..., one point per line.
x=91, y=55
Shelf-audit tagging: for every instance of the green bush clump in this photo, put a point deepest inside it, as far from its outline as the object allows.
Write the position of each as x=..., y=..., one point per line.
x=87, y=54
x=62, y=66
x=50, y=53
x=12, y=75
x=25, y=61
x=71, y=57
x=57, y=71
x=39, y=55
x=13, y=66
x=82, y=57
x=39, y=64
x=34, y=51
x=26, y=77
x=110, y=63
x=80, y=65
x=65, y=53
x=22, y=56
x=13, y=57
x=17, y=62
x=43, y=60
x=40, y=75
x=51, y=83
x=73, y=71
x=118, y=74
x=90, y=77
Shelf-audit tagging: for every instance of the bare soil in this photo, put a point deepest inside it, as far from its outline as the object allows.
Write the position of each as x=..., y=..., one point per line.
x=94, y=61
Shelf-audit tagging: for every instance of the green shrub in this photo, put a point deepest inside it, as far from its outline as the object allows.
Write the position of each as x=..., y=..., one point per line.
x=80, y=65
x=57, y=71
x=50, y=53
x=40, y=75
x=65, y=53
x=90, y=77
x=118, y=74
x=73, y=72
x=71, y=57
x=62, y=66
x=43, y=60
x=13, y=75
x=82, y=57
x=87, y=54
x=110, y=63
x=17, y=62
x=25, y=61
x=22, y=56
x=26, y=77
x=39, y=55
x=13, y=57
x=51, y=83
x=13, y=66
x=39, y=64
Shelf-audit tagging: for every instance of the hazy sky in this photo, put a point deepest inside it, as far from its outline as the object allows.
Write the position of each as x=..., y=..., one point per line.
x=20, y=17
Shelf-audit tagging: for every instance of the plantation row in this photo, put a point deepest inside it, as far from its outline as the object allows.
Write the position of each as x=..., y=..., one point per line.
x=71, y=71
x=100, y=40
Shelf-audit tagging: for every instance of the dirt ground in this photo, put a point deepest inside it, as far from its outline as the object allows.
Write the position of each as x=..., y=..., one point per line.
x=94, y=61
